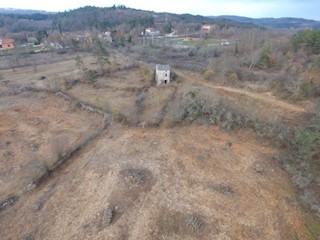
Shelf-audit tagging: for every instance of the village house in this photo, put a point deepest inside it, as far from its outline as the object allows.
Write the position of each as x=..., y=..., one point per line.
x=225, y=42
x=207, y=28
x=162, y=74
x=151, y=32
x=105, y=37
x=81, y=36
x=6, y=43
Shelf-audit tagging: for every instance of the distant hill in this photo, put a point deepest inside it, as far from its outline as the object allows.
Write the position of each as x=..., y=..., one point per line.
x=276, y=23
x=107, y=18
x=21, y=11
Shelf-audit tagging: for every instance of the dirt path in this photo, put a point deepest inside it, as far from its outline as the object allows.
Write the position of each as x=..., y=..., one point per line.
x=260, y=96
x=262, y=106
x=264, y=97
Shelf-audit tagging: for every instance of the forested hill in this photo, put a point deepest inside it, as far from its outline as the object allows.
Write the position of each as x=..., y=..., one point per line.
x=88, y=18
x=20, y=11
x=276, y=23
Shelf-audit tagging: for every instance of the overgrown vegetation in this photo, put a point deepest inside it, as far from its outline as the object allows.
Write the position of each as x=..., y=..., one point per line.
x=147, y=74
x=308, y=143
x=102, y=55
x=308, y=39
x=89, y=75
x=305, y=165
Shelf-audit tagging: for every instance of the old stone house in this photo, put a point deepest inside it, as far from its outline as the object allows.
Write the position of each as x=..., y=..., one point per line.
x=6, y=43
x=162, y=74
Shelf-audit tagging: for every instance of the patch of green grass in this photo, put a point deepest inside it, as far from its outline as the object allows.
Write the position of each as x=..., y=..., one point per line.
x=21, y=50
x=211, y=41
x=314, y=228
x=187, y=42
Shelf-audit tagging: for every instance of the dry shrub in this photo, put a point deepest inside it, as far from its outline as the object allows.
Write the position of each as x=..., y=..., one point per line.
x=59, y=145
x=209, y=75
x=147, y=74
x=54, y=85
x=233, y=77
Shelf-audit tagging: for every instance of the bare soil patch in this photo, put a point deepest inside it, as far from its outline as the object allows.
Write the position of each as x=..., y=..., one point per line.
x=177, y=198
x=155, y=105
x=116, y=101
x=36, y=130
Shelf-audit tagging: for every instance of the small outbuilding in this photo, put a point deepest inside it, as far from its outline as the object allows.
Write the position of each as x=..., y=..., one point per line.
x=162, y=74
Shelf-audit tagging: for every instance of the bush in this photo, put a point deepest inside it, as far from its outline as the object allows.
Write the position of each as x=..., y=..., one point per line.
x=265, y=59
x=299, y=88
x=308, y=141
x=147, y=74
x=90, y=76
x=62, y=51
x=306, y=164
x=209, y=75
x=316, y=65
x=305, y=88
x=233, y=77
x=173, y=75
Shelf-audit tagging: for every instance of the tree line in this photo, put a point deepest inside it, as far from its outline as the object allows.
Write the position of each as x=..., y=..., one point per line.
x=308, y=39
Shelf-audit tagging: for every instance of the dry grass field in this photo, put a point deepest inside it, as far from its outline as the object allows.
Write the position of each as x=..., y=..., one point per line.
x=157, y=180
x=36, y=130
x=107, y=161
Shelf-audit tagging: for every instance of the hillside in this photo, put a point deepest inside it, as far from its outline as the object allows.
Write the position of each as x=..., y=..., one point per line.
x=120, y=159
x=21, y=11
x=276, y=23
x=92, y=146
x=102, y=19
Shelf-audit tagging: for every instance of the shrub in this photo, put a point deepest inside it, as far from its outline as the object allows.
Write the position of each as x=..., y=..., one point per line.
x=233, y=77
x=316, y=65
x=173, y=75
x=265, y=59
x=299, y=88
x=305, y=88
x=90, y=76
x=209, y=75
x=62, y=51
x=147, y=74
x=308, y=141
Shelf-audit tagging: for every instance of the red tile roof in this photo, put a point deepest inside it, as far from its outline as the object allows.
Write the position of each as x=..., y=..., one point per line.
x=7, y=41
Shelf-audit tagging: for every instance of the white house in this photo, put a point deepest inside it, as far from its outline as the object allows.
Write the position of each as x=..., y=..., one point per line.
x=225, y=42
x=162, y=74
x=105, y=37
x=151, y=32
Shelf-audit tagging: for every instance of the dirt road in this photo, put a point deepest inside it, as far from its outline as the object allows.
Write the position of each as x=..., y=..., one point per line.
x=265, y=97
